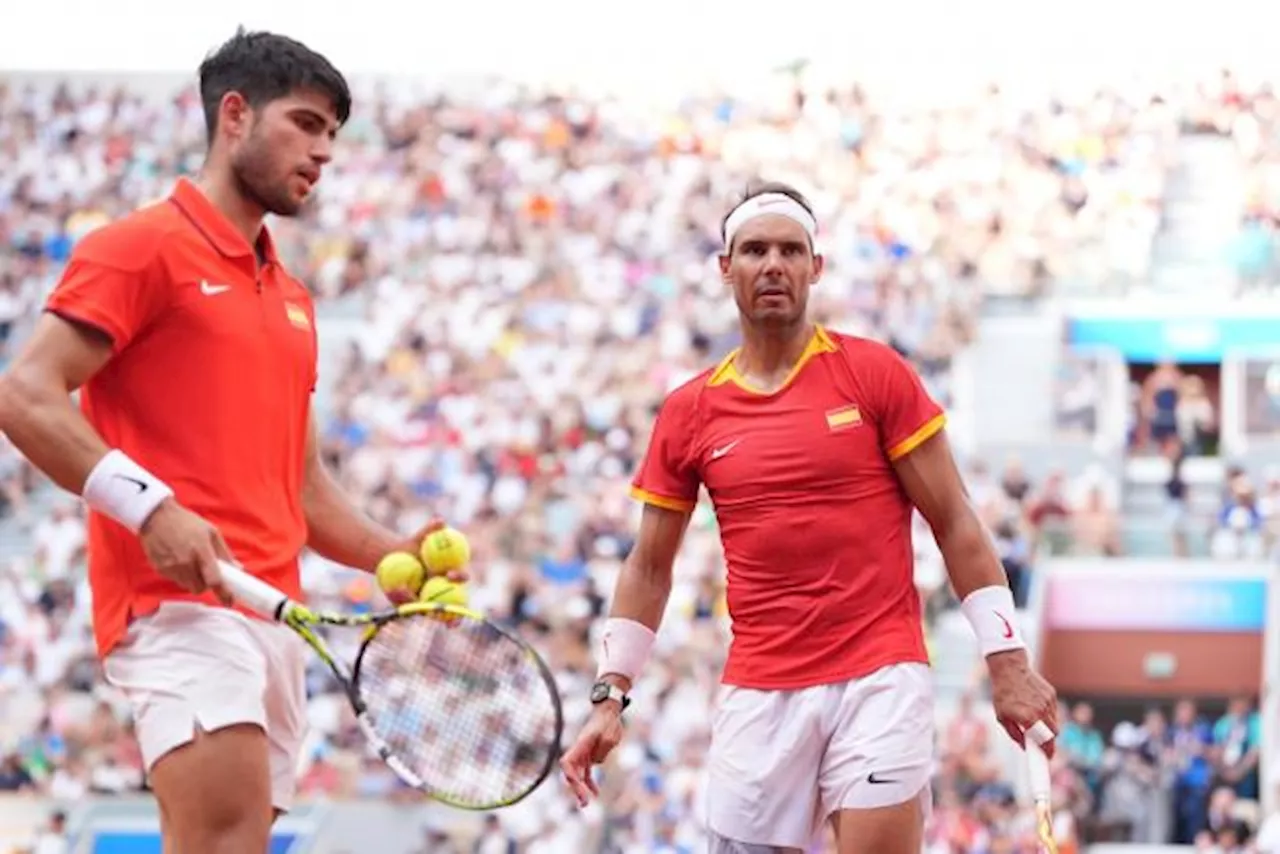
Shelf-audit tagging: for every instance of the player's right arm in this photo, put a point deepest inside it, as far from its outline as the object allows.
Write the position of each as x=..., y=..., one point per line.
x=668, y=484
x=99, y=306
x=643, y=587
x=36, y=411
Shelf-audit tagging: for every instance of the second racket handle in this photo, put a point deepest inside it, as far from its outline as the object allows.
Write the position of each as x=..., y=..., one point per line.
x=252, y=592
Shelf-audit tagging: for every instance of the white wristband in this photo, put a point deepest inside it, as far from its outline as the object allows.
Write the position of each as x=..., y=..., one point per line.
x=121, y=489
x=625, y=646
x=994, y=618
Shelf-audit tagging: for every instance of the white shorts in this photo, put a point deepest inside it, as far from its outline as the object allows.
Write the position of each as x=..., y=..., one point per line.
x=782, y=762
x=190, y=665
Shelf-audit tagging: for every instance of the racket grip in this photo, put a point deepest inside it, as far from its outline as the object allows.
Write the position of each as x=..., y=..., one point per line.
x=1038, y=773
x=252, y=592
x=1040, y=733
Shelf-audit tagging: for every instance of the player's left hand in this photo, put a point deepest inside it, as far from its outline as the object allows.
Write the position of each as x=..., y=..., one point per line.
x=1021, y=696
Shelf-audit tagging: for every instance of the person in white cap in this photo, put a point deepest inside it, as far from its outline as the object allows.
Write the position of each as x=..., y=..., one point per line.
x=814, y=448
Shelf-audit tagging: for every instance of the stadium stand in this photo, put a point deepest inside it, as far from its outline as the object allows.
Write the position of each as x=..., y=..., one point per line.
x=509, y=284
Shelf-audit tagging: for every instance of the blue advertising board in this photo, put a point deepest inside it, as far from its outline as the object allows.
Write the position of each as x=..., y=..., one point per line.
x=1187, y=339
x=143, y=842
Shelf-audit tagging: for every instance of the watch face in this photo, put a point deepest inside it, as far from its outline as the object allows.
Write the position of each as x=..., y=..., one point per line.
x=599, y=692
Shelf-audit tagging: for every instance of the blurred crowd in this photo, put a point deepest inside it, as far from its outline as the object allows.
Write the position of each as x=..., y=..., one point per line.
x=1248, y=113
x=1176, y=776
x=521, y=278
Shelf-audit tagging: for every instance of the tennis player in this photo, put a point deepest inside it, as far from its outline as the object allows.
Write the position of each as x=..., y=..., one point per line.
x=195, y=353
x=814, y=448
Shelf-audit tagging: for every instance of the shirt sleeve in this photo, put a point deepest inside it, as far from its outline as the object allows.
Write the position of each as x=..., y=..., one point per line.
x=115, y=292
x=906, y=415
x=668, y=477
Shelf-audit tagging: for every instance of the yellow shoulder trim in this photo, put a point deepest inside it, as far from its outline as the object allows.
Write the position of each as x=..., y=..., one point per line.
x=919, y=437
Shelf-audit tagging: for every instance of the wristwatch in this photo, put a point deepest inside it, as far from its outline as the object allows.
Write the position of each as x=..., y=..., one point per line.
x=602, y=691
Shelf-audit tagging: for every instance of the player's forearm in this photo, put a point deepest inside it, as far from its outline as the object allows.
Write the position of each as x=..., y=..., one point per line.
x=969, y=555
x=42, y=422
x=336, y=529
x=980, y=583
x=640, y=595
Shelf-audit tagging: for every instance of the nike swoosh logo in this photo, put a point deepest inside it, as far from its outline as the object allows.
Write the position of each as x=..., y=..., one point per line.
x=142, y=487
x=720, y=452
x=213, y=290
x=878, y=781
x=1008, y=629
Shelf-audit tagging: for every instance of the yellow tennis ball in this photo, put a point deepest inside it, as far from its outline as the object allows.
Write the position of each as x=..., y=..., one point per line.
x=444, y=551
x=401, y=574
x=439, y=590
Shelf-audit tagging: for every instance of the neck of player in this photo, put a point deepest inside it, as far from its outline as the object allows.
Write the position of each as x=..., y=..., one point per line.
x=219, y=188
x=770, y=352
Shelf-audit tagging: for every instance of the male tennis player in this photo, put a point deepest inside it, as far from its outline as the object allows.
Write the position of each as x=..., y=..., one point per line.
x=814, y=447
x=195, y=353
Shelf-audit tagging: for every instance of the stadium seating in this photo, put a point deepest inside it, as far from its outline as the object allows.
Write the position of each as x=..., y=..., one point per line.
x=506, y=292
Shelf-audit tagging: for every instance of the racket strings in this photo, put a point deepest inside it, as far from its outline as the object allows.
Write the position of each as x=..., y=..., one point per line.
x=461, y=705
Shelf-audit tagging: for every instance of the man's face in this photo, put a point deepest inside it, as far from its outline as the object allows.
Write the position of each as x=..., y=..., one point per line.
x=278, y=150
x=770, y=267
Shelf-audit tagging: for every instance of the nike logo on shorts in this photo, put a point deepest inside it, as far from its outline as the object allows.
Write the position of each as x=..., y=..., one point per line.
x=878, y=781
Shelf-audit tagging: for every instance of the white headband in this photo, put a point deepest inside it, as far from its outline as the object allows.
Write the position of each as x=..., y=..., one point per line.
x=769, y=203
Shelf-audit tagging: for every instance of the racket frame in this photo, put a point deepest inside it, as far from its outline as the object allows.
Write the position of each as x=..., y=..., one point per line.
x=272, y=604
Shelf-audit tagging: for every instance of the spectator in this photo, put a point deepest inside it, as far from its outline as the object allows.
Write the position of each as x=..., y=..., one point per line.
x=1158, y=757
x=1049, y=515
x=1175, y=493
x=1237, y=742
x=1096, y=525
x=13, y=776
x=1239, y=533
x=53, y=838
x=1082, y=745
x=1125, y=780
x=1190, y=739
x=1160, y=393
x=1197, y=419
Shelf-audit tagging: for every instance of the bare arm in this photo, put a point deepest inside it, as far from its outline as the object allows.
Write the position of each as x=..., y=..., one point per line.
x=644, y=584
x=932, y=481
x=36, y=410
x=336, y=529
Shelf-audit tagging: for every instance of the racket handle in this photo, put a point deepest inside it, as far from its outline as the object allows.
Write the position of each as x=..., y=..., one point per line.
x=1038, y=773
x=252, y=592
x=1040, y=733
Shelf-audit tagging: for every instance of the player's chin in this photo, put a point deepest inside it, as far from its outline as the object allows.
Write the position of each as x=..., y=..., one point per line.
x=773, y=311
x=289, y=202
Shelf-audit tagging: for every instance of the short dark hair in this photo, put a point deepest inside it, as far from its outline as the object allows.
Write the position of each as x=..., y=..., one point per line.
x=760, y=188
x=264, y=67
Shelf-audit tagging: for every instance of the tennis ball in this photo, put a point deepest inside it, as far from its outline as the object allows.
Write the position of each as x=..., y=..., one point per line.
x=400, y=575
x=441, y=591
x=444, y=551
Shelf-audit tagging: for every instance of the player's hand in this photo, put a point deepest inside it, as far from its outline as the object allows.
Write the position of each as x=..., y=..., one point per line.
x=597, y=740
x=185, y=549
x=1021, y=696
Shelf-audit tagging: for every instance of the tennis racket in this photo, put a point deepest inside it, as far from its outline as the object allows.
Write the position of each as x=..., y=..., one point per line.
x=1041, y=786
x=457, y=706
